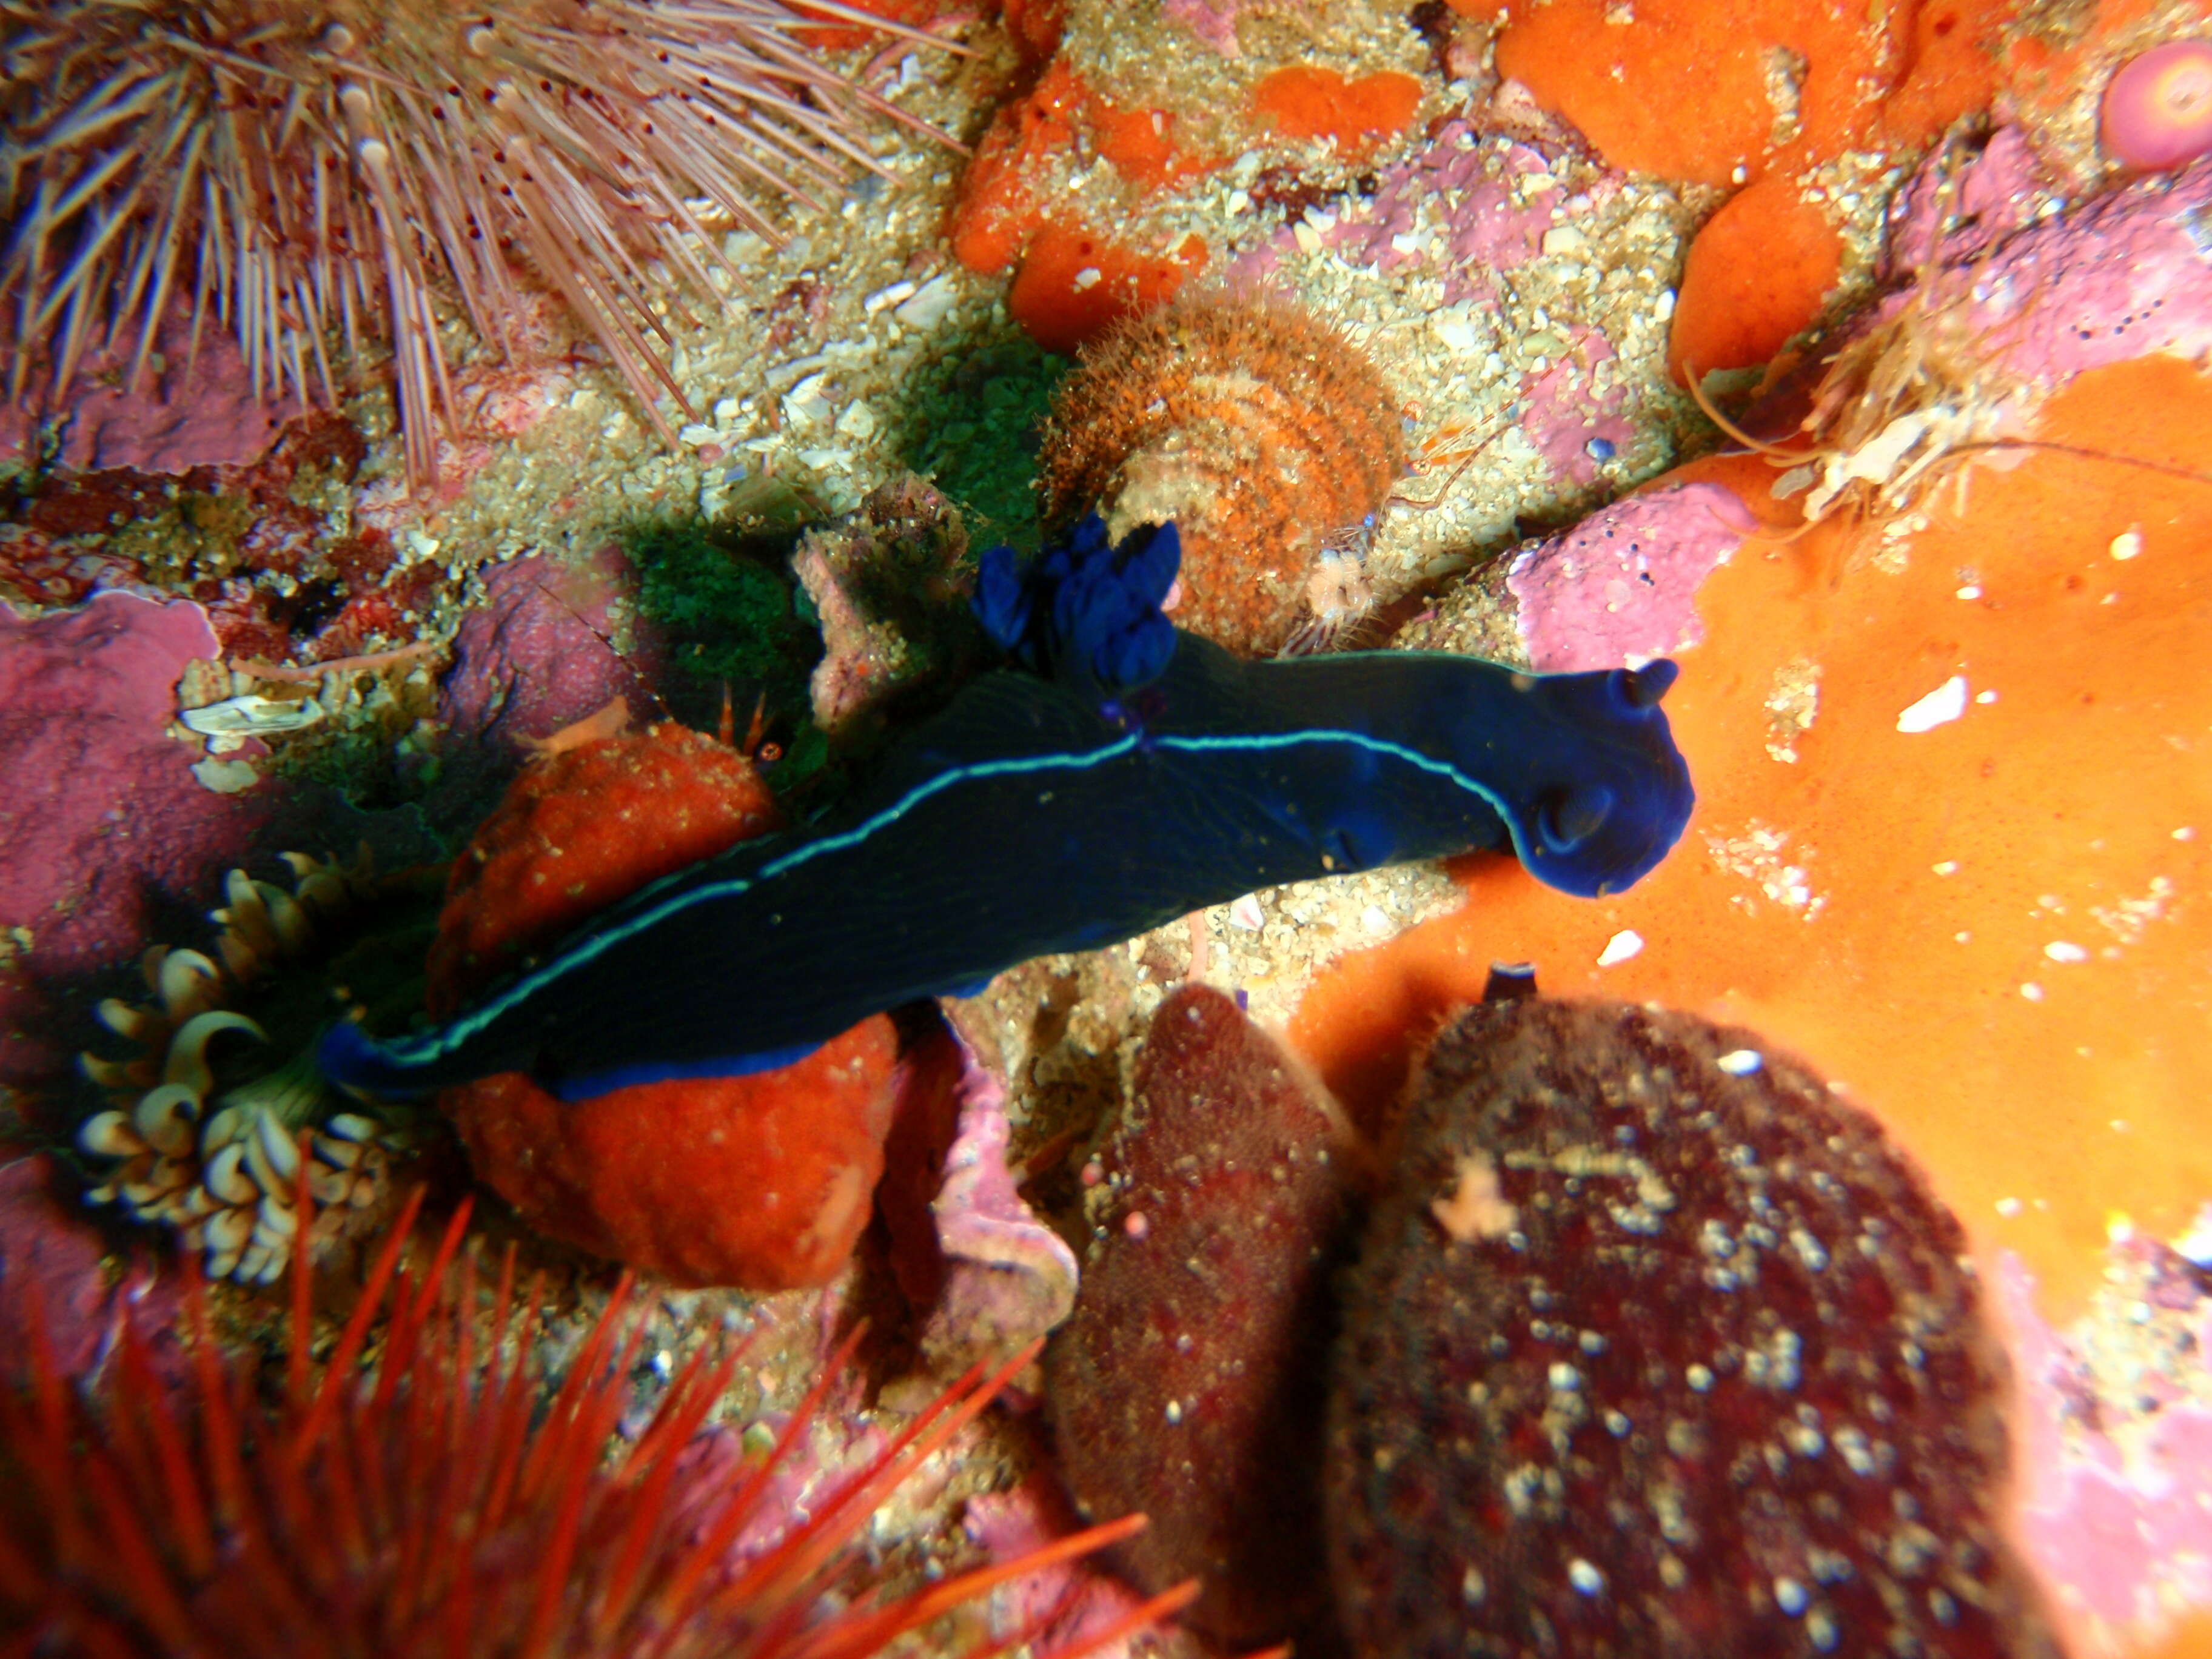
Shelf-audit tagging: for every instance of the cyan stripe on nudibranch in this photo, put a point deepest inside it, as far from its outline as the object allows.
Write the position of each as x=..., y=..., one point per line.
x=1037, y=815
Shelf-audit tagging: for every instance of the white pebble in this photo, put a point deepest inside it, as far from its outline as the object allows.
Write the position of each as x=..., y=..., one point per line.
x=1945, y=703
x=1621, y=947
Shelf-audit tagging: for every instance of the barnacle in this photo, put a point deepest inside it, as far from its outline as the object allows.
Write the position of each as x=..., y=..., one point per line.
x=213, y=1150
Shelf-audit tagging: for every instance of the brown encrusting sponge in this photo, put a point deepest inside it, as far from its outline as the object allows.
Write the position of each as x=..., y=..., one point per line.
x=1262, y=432
x=1657, y=1348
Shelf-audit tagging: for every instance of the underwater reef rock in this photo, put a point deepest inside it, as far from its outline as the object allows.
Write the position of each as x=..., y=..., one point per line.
x=1655, y=1347
x=761, y=1181
x=1257, y=430
x=1190, y=1382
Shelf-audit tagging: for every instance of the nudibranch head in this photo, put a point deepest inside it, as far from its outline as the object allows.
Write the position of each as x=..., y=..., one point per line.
x=1085, y=612
x=2158, y=109
x=1621, y=796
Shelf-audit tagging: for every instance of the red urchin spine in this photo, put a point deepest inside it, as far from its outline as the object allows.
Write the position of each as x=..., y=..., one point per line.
x=352, y=183
x=424, y=1513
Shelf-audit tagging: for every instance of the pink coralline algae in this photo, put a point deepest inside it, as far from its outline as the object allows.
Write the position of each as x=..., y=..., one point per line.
x=1189, y=1384
x=1958, y=204
x=1566, y=418
x=1496, y=197
x=1495, y=220
x=1657, y=1348
x=51, y=1279
x=1621, y=583
x=202, y=411
x=535, y=657
x=1007, y=1278
x=102, y=816
x=2120, y=277
x=1215, y=25
x=1061, y=1605
x=2115, y=1488
x=2157, y=111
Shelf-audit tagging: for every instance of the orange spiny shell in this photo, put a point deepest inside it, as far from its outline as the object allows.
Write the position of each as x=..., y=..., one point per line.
x=1254, y=426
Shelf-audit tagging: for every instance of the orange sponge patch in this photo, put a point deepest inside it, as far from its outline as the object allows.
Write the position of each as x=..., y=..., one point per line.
x=1694, y=92
x=1757, y=272
x=579, y=829
x=1302, y=102
x=1073, y=285
x=1972, y=888
x=762, y=1182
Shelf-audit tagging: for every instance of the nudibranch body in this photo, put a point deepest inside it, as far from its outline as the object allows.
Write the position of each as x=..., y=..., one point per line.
x=1126, y=776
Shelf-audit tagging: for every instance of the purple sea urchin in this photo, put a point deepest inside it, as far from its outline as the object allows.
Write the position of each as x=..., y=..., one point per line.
x=1656, y=1348
x=307, y=176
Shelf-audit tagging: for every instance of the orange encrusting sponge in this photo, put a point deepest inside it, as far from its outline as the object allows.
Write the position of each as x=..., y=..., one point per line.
x=761, y=1181
x=1997, y=931
x=1305, y=101
x=1757, y=272
x=1756, y=95
x=1072, y=281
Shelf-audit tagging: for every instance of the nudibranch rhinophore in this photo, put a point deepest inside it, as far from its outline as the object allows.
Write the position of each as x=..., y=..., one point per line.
x=1122, y=775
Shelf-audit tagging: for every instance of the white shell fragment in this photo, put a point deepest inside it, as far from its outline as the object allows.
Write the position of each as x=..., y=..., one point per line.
x=252, y=716
x=1621, y=947
x=1939, y=708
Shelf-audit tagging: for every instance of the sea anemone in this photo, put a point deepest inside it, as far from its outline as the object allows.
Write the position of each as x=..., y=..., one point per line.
x=212, y=1146
x=354, y=171
x=2158, y=108
x=448, y=1502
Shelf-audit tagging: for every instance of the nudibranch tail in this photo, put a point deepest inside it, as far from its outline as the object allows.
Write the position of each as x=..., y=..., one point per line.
x=1032, y=817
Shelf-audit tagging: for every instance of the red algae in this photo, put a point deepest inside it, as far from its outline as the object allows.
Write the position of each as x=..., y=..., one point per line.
x=1985, y=929
x=1656, y=1348
x=761, y=1180
x=1189, y=1382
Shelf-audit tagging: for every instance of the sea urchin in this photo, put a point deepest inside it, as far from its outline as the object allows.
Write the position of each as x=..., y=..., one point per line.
x=446, y=1503
x=310, y=174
